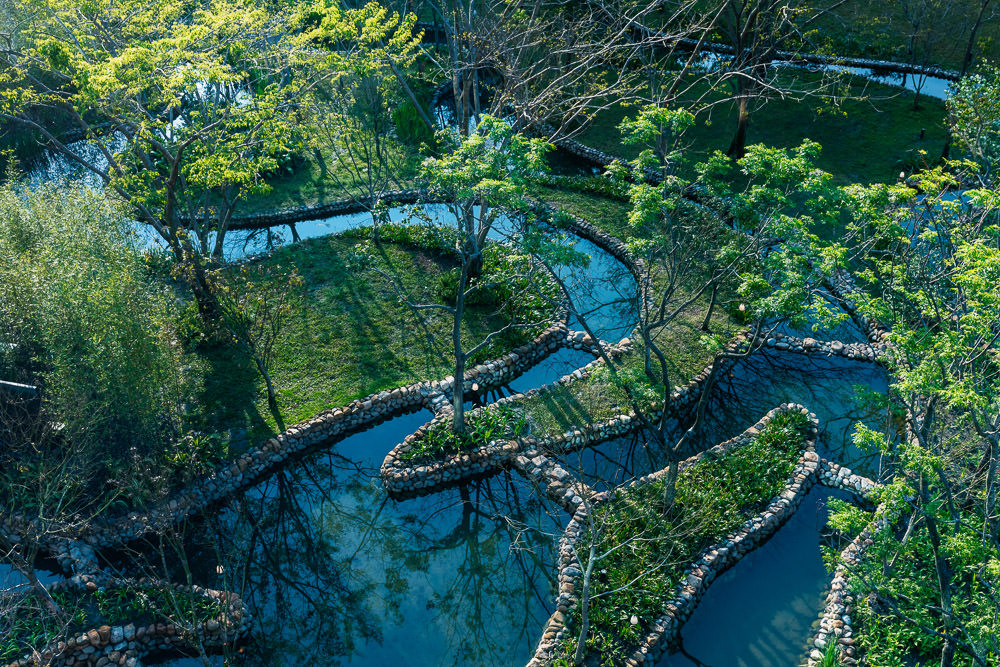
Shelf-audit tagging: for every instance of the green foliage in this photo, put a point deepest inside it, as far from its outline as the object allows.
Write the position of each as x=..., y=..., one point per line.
x=410, y=127
x=90, y=328
x=974, y=111
x=786, y=199
x=25, y=628
x=481, y=428
x=491, y=166
x=650, y=546
x=196, y=454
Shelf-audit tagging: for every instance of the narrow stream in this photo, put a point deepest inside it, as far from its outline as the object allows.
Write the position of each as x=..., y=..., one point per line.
x=761, y=612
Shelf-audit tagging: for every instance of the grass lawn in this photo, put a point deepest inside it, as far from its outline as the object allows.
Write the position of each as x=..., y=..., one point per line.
x=864, y=141
x=648, y=546
x=313, y=182
x=596, y=398
x=348, y=336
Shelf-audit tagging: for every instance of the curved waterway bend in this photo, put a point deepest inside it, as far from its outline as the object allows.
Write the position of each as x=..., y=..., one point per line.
x=336, y=571
x=760, y=613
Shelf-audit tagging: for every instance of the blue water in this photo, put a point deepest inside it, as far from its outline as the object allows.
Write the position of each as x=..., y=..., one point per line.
x=760, y=613
x=332, y=567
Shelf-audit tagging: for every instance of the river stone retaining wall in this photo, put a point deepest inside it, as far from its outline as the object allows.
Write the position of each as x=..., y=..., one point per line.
x=831, y=348
x=837, y=476
x=845, y=290
x=554, y=481
x=889, y=66
x=126, y=645
x=835, y=623
x=712, y=562
x=340, y=207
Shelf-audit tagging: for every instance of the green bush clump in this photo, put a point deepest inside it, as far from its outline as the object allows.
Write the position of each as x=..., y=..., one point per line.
x=598, y=185
x=650, y=545
x=410, y=127
x=30, y=626
x=481, y=428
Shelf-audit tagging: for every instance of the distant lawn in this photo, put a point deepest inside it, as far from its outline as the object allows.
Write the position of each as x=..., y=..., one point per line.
x=349, y=336
x=864, y=141
x=316, y=182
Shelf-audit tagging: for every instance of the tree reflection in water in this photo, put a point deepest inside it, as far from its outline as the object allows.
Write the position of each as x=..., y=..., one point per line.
x=334, y=569
x=838, y=390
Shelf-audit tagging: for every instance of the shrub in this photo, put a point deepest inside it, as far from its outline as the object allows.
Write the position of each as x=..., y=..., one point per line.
x=481, y=427
x=91, y=329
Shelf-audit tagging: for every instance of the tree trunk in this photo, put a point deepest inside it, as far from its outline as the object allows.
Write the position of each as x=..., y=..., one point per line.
x=458, y=386
x=295, y=233
x=670, y=484
x=272, y=397
x=194, y=274
x=711, y=307
x=737, y=148
x=321, y=161
x=992, y=475
x=971, y=45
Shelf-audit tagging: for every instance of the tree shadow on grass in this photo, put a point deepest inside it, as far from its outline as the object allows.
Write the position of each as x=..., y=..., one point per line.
x=231, y=386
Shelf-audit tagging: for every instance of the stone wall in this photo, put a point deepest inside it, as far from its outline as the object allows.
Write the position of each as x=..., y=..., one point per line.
x=126, y=645
x=700, y=574
x=794, y=57
x=830, y=348
x=835, y=623
x=291, y=216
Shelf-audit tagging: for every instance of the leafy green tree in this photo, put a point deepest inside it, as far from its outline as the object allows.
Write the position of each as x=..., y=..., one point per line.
x=752, y=234
x=352, y=113
x=184, y=107
x=974, y=112
x=929, y=268
x=81, y=320
x=483, y=178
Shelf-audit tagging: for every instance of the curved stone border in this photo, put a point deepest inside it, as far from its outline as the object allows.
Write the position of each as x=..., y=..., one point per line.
x=291, y=216
x=831, y=348
x=845, y=290
x=125, y=645
x=835, y=622
x=402, y=478
x=794, y=57
x=712, y=562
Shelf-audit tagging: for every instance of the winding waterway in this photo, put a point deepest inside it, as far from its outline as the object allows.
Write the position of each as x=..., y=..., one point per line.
x=336, y=572
x=333, y=568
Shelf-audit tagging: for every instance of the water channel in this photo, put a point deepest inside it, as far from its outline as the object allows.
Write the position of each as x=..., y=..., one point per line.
x=333, y=568
x=338, y=573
